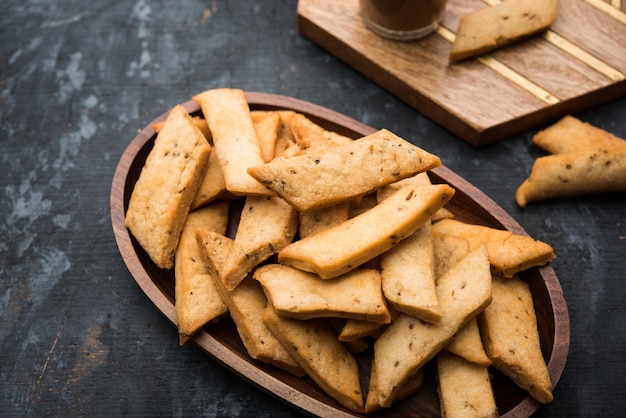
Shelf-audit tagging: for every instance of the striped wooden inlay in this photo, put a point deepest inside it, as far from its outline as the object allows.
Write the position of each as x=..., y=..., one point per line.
x=578, y=63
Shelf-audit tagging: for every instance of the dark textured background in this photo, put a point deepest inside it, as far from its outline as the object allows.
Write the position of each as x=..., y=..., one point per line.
x=77, y=79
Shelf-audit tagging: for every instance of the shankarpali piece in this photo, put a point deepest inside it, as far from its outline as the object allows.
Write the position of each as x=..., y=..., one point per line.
x=573, y=135
x=507, y=22
x=509, y=329
x=212, y=186
x=168, y=182
x=317, y=219
x=266, y=126
x=307, y=137
x=574, y=174
x=267, y=225
x=285, y=142
x=297, y=294
x=408, y=343
x=199, y=122
x=197, y=300
x=467, y=342
x=336, y=174
x=408, y=277
x=310, y=136
x=316, y=348
x=244, y=305
x=342, y=248
x=410, y=387
x=448, y=249
x=421, y=179
x=464, y=388
x=234, y=138
x=355, y=329
x=509, y=253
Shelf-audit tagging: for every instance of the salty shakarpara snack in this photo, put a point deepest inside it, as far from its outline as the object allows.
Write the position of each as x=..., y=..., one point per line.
x=464, y=388
x=297, y=294
x=325, y=359
x=408, y=277
x=584, y=160
x=234, y=138
x=344, y=247
x=354, y=269
x=511, y=338
x=573, y=174
x=509, y=253
x=244, y=305
x=336, y=174
x=197, y=300
x=573, y=135
x=496, y=26
x=267, y=225
x=408, y=343
x=166, y=187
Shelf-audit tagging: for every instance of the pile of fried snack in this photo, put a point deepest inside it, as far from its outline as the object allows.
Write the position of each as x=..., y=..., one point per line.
x=341, y=247
x=584, y=159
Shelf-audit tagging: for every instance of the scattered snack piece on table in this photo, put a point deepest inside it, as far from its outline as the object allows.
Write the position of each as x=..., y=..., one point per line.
x=509, y=328
x=166, y=187
x=464, y=388
x=197, y=300
x=573, y=135
x=585, y=160
x=509, y=253
x=500, y=25
x=574, y=174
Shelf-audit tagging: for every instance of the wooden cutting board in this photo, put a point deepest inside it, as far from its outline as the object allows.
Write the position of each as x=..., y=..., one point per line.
x=580, y=62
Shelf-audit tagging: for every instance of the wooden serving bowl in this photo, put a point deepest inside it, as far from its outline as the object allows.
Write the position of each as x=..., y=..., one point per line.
x=222, y=342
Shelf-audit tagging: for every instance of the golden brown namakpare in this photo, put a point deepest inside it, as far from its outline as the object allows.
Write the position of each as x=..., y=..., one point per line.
x=330, y=175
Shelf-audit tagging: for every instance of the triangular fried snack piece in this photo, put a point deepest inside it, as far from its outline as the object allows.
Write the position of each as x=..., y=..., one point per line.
x=509, y=253
x=197, y=299
x=168, y=182
x=325, y=176
x=245, y=304
x=316, y=348
x=408, y=343
x=507, y=22
x=337, y=250
x=509, y=327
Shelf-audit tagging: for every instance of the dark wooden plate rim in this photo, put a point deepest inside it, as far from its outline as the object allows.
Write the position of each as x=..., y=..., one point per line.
x=472, y=203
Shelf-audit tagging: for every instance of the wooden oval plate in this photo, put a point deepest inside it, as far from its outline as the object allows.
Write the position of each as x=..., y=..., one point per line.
x=222, y=342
